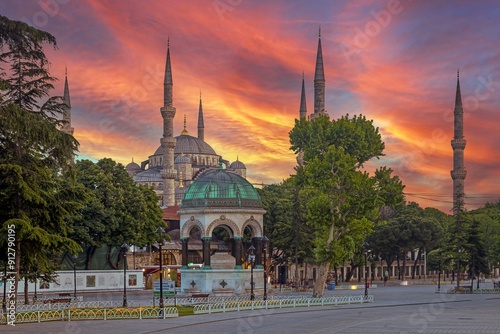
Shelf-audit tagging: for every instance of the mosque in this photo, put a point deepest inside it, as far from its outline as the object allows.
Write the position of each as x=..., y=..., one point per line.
x=192, y=156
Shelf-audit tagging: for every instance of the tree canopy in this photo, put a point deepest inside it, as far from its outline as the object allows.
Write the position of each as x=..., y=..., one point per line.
x=119, y=210
x=342, y=200
x=38, y=190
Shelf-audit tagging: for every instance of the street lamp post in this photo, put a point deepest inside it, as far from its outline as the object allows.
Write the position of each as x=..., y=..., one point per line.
x=365, y=246
x=161, y=233
x=251, y=259
x=74, y=275
x=265, y=242
x=458, y=270
x=124, y=250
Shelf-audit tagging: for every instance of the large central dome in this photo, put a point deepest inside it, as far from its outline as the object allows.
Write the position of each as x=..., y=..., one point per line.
x=220, y=188
x=189, y=145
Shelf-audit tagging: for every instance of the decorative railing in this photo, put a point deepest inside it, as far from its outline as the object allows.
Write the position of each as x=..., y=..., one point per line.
x=280, y=303
x=93, y=314
x=106, y=310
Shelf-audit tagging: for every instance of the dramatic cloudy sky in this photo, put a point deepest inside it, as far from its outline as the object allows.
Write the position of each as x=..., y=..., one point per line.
x=393, y=61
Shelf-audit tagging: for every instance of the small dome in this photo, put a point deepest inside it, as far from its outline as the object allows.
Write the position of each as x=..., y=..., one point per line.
x=149, y=175
x=221, y=188
x=182, y=159
x=132, y=166
x=237, y=165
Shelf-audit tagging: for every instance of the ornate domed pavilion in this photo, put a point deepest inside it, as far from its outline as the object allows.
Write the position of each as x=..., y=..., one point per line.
x=220, y=201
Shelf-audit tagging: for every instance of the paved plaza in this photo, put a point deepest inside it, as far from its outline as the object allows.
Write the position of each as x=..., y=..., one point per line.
x=397, y=309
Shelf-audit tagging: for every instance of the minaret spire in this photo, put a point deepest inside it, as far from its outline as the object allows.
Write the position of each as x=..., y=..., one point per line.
x=168, y=83
x=67, y=107
x=303, y=106
x=168, y=172
x=319, y=82
x=458, y=143
x=201, y=124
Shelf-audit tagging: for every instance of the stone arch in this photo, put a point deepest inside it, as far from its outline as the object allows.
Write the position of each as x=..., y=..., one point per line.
x=223, y=221
x=189, y=224
x=255, y=225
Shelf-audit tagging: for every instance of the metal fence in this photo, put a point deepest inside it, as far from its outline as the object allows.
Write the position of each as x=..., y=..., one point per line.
x=171, y=301
x=107, y=310
x=93, y=314
x=280, y=303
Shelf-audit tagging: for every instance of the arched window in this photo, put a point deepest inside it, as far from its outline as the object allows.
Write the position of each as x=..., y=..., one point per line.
x=194, y=257
x=168, y=258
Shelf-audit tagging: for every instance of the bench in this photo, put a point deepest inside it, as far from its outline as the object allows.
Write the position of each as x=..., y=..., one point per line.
x=463, y=288
x=57, y=300
x=200, y=295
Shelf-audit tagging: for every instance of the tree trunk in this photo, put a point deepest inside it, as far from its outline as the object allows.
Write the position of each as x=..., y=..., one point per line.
x=296, y=271
x=90, y=255
x=403, y=275
x=17, y=265
x=306, y=283
x=399, y=266
x=348, y=276
x=414, y=270
x=319, y=286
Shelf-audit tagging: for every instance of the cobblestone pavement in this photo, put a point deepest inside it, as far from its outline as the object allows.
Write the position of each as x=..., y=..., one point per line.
x=397, y=309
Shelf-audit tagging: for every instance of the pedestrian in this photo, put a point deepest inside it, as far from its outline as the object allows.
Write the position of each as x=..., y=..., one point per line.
x=386, y=277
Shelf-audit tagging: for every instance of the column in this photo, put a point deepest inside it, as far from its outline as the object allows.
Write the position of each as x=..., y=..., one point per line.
x=206, y=252
x=184, y=252
x=237, y=245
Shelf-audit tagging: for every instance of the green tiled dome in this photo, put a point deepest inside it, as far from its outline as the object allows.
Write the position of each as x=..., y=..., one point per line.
x=219, y=188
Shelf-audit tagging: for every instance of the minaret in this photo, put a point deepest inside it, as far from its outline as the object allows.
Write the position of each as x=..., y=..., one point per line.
x=303, y=115
x=66, y=127
x=201, y=125
x=303, y=107
x=319, y=83
x=168, y=140
x=458, y=143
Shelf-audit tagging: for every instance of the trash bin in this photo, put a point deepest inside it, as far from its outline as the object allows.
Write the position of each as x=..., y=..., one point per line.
x=331, y=286
x=368, y=285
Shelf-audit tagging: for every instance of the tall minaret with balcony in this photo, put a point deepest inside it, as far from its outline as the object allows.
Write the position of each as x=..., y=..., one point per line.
x=458, y=143
x=168, y=141
x=319, y=83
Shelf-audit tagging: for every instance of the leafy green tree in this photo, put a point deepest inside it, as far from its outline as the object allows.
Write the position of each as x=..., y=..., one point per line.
x=489, y=231
x=478, y=256
x=291, y=238
x=38, y=191
x=342, y=201
x=119, y=210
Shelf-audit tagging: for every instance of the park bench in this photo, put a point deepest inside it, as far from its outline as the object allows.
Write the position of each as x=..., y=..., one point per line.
x=57, y=300
x=464, y=289
x=200, y=295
